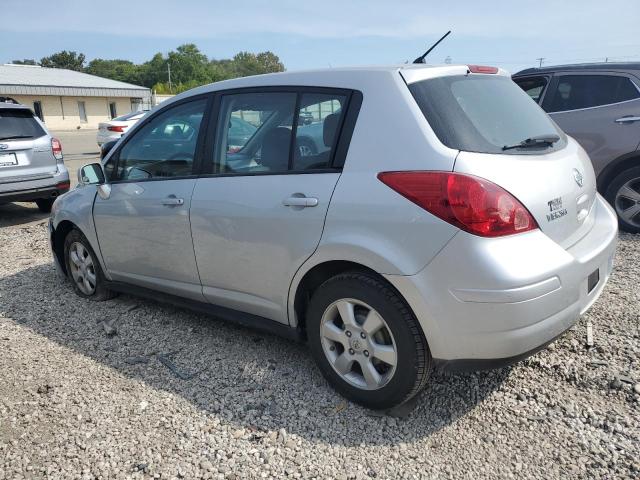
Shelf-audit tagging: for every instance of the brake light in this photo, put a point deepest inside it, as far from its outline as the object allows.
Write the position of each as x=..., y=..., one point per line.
x=63, y=185
x=472, y=204
x=115, y=128
x=482, y=69
x=56, y=148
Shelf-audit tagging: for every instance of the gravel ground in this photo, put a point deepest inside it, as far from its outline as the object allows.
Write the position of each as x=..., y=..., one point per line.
x=134, y=389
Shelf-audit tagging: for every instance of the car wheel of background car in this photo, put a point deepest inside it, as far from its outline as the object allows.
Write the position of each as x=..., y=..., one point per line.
x=366, y=341
x=44, y=204
x=306, y=148
x=624, y=194
x=83, y=269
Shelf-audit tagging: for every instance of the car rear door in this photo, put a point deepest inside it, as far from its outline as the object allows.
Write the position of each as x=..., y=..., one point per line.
x=25, y=149
x=260, y=212
x=143, y=224
x=601, y=110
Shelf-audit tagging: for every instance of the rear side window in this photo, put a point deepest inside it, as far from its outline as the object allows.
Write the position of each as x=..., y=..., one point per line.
x=482, y=113
x=19, y=123
x=584, y=91
x=277, y=132
x=533, y=86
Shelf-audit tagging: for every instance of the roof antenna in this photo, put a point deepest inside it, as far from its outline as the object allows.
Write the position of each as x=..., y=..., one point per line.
x=422, y=57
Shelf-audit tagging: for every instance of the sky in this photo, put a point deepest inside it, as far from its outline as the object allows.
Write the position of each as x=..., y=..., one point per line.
x=329, y=33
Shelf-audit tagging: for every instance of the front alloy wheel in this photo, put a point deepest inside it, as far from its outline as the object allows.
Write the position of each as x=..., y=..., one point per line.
x=83, y=268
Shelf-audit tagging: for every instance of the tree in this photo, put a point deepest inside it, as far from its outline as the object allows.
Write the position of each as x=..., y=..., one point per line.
x=64, y=59
x=246, y=63
x=122, y=70
x=25, y=61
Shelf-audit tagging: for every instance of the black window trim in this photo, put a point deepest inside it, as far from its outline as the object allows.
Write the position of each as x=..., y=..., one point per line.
x=606, y=73
x=341, y=142
x=545, y=89
x=200, y=142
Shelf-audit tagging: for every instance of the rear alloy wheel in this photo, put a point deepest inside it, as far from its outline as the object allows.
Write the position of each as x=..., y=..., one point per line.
x=83, y=268
x=368, y=344
x=624, y=194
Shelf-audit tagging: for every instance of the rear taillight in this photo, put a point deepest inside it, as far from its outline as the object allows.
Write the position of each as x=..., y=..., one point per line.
x=471, y=203
x=482, y=69
x=56, y=148
x=115, y=128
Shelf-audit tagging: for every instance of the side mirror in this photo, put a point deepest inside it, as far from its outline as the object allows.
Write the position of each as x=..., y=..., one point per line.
x=106, y=148
x=91, y=174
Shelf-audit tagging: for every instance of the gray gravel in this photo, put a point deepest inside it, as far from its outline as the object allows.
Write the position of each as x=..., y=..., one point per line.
x=135, y=389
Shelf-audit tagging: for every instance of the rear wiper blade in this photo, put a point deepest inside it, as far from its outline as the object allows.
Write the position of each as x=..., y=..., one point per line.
x=534, y=142
x=12, y=137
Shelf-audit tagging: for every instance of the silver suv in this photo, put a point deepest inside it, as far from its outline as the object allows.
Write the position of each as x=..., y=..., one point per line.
x=598, y=104
x=443, y=220
x=31, y=165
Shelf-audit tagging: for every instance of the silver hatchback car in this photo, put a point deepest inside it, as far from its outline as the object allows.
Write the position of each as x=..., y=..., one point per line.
x=444, y=222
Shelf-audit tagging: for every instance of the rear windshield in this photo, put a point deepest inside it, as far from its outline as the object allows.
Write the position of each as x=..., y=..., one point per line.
x=18, y=123
x=483, y=113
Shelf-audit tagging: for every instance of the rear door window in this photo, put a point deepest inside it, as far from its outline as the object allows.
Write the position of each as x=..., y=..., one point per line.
x=483, y=113
x=533, y=86
x=574, y=92
x=19, y=123
x=277, y=132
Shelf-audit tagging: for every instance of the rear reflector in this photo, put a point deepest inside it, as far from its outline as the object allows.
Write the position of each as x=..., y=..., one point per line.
x=56, y=148
x=115, y=128
x=472, y=204
x=63, y=186
x=482, y=69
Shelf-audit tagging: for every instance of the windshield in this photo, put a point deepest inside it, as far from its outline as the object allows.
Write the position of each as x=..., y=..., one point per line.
x=19, y=123
x=484, y=113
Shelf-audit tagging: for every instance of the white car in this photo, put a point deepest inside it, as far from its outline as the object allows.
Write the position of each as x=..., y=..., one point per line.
x=114, y=129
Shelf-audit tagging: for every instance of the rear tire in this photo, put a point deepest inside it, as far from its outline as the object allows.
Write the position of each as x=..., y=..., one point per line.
x=44, y=204
x=83, y=268
x=366, y=341
x=623, y=193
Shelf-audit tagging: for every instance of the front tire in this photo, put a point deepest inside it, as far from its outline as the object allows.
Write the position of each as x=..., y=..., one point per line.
x=366, y=341
x=83, y=268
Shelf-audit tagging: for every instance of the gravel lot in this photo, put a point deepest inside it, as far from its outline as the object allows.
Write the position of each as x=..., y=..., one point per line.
x=134, y=389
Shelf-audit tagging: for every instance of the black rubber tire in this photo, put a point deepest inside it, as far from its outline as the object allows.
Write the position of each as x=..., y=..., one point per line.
x=44, y=204
x=615, y=185
x=414, y=357
x=101, y=292
x=307, y=142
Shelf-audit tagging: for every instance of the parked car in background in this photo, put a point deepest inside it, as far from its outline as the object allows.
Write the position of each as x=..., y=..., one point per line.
x=447, y=223
x=599, y=105
x=31, y=165
x=115, y=128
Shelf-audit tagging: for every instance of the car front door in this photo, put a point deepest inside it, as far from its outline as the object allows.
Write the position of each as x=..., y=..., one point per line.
x=260, y=213
x=143, y=224
x=600, y=110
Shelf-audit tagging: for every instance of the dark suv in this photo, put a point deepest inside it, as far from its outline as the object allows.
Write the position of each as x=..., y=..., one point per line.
x=599, y=105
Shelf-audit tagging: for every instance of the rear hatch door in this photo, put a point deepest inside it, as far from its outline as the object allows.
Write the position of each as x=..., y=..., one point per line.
x=25, y=148
x=492, y=122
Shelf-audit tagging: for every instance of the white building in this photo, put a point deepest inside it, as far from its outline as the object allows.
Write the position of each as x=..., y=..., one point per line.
x=66, y=99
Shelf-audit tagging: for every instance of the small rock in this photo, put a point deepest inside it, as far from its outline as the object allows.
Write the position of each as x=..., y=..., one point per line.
x=636, y=388
x=615, y=384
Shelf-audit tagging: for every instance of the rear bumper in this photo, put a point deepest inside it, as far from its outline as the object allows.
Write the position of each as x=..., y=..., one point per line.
x=105, y=137
x=25, y=191
x=485, y=303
